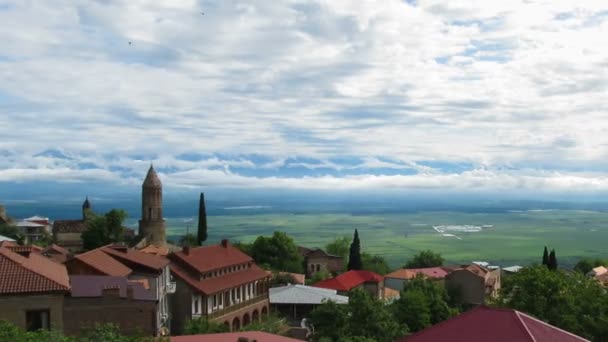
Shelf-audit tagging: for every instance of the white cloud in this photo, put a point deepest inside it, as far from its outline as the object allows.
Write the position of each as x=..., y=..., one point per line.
x=491, y=83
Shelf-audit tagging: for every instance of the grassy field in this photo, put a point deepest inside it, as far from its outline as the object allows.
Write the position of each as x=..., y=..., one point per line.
x=515, y=238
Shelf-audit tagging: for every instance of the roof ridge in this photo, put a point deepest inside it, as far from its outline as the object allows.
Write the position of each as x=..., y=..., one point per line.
x=519, y=313
x=523, y=325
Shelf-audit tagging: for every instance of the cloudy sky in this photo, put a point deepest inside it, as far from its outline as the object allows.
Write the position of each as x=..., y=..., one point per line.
x=387, y=94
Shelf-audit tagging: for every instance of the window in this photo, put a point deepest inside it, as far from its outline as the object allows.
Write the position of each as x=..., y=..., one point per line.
x=318, y=267
x=38, y=319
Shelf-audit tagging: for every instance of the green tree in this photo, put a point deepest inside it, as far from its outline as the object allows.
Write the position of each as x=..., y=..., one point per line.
x=426, y=258
x=318, y=276
x=371, y=318
x=12, y=232
x=546, y=257
x=103, y=230
x=413, y=310
x=552, y=265
x=188, y=240
x=204, y=326
x=339, y=246
x=243, y=246
x=375, y=263
x=330, y=321
x=585, y=265
x=272, y=324
x=279, y=252
x=354, y=258
x=436, y=297
x=202, y=221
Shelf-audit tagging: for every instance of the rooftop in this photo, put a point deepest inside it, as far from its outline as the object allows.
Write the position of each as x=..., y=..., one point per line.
x=349, y=280
x=34, y=273
x=133, y=256
x=103, y=263
x=89, y=286
x=152, y=179
x=410, y=273
x=69, y=226
x=491, y=324
x=216, y=284
x=210, y=258
x=301, y=294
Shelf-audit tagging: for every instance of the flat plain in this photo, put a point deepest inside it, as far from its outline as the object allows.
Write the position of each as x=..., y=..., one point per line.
x=508, y=238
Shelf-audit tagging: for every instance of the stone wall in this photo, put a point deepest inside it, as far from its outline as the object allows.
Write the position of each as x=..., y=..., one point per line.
x=13, y=308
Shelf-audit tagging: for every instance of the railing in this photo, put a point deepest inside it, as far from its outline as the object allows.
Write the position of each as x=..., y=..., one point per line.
x=238, y=306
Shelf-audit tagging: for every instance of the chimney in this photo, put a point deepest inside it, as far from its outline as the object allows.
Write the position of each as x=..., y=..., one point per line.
x=225, y=243
x=186, y=250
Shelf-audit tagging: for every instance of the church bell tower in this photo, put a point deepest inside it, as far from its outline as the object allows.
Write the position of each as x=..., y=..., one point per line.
x=152, y=223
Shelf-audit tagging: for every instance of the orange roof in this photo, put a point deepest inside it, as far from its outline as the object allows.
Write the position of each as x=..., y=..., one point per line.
x=209, y=258
x=103, y=263
x=391, y=293
x=151, y=249
x=34, y=273
x=349, y=280
x=234, y=337
x=410, y=273
x=134, y=256
x=224, y=282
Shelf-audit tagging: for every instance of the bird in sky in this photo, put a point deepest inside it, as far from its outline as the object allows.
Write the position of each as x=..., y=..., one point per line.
x=129, y=43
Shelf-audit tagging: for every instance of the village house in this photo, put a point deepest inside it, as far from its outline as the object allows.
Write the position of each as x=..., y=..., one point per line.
x=317, y=260
x=32, y=288
x=474, y=283
x=67, y=233
x=297, y=301
x=106, y=299
x=34, y=228
x=491, y=324
x=115, y=260
x=397, y=279
x=369, y=281
x=218, y=282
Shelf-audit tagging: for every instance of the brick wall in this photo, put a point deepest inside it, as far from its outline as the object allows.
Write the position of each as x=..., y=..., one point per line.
x=470, y=286
x=133, y=317
x=181, y=307
x=13, y=308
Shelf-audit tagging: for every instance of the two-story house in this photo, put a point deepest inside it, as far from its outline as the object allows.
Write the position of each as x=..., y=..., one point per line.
x=220, y=283
x=150, y=270
x=317, y=260
x=474, y=283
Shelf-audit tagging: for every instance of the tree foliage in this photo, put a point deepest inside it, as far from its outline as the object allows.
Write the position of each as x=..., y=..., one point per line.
x=339, y=246
x=12, y=232
x=188, y=240
x=363, y=319
x=202, y=221
x=552, y=265
x=271, y=323
x=585, y=265
x=546, y=257
x=572, y=302
x=375, y=263
x=354, y=258
x=279, y=252
x=426, y=258
x=203, y=326
x=104, y=229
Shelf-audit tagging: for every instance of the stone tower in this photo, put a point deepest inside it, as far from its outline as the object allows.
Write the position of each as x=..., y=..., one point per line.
x=86, y=207
x=152, y=224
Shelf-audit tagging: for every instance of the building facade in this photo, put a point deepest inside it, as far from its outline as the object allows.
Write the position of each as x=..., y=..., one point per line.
x=474, y=283
x=220, y=283
x=317, y=260
x=68, y=233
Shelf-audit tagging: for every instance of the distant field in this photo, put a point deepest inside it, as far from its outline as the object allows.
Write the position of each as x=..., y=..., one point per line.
x=515, y=237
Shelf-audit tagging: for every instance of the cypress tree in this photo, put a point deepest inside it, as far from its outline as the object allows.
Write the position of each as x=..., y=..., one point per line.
x=552, y=261
x=354, y=258
x=546, y=257
x=202, y=221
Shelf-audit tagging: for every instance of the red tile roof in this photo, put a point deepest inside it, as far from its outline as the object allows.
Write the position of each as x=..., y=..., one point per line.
x=490, y=324
x=103, y=263
x=34, y=273
x=234, y=337
x=209, y=258
x=349, y=280
x=130, y=255
x=69, y=226
x=410, y=273
x=216, y=284
x=21, y=249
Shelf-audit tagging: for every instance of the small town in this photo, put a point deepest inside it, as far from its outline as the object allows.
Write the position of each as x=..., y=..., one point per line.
x=54, y=278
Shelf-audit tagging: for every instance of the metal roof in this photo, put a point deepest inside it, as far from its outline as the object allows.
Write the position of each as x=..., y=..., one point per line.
x=302, y=294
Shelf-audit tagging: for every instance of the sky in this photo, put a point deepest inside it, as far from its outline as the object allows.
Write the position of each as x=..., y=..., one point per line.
x=392, y=95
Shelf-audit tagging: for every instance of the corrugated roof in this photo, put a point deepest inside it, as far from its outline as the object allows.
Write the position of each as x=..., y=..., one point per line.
x=103, y=263
x=490, y=324
x=34, y=273
x=209, y=258
x=234, y=337
x=349, y=280
x=302, y=294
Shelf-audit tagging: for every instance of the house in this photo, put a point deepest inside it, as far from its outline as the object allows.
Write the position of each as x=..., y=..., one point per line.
x=108, y=299
x=317, y=260
x=369, y=281
x=67, y=233
x=115, y=260
x=218, y=282
x=244, y=336
x=32, y=289
x=490, y=324
x=34, y=228
x=297, y=301
x=597, y=271
x=395, y=280
x=474, y=283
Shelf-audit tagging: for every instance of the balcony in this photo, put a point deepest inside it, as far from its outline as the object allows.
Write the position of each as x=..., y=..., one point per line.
x=238, y=306
x=171, y=286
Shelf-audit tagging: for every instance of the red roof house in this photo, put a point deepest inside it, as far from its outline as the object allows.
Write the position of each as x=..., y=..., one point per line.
x=490, y=324
x=345, y=282
x=218, y=282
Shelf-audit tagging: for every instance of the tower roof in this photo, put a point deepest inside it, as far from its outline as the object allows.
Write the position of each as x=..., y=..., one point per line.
x=86, y=204
x=152, y=179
